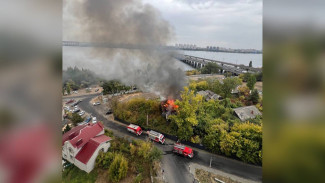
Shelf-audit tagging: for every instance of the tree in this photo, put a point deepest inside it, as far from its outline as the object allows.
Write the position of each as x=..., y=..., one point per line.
x=251, y=82
x=228, y=85
x=254, y=97
x=143, y=150
x=259, y=76
x=250, y=64
x=215, y=134
x=104, y=160
x=210, y=68
x=214, y=85
x=68, y=88
x=185, y=119
x=243, y=90
x=67, y=128
x=118, y=168
x=155, y=154
x=76, y=118
x=248, y=142
x=80, y=77
x=202, y=85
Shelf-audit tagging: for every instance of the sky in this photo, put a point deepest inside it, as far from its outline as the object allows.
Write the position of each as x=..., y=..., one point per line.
x=224, y=23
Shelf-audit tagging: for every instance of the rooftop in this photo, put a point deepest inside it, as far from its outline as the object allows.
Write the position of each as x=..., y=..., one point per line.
x=247, y=112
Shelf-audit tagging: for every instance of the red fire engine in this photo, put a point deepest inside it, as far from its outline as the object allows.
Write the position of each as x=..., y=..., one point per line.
x=134, y=129
x=157, y=137
x=182, y=149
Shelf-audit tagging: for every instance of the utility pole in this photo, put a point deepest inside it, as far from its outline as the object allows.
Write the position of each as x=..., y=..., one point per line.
x=210, y=161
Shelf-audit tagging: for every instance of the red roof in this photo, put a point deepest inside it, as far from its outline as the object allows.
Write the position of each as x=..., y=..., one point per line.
x=88, y=150
x=72, y=133
x=86, y=134
x=100, y=139
x=85, y=137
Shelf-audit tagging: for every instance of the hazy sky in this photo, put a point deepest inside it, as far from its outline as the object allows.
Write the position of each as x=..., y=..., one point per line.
x=225, y=23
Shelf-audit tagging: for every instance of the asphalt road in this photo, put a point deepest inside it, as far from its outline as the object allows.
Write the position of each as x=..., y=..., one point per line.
x=176, y=167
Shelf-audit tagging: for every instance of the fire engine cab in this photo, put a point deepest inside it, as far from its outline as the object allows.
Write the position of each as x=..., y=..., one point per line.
x=183, y=150
x=134, y=129
x=157, y=137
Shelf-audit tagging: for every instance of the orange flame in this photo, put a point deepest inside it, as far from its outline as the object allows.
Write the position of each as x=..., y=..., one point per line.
x=171, y=104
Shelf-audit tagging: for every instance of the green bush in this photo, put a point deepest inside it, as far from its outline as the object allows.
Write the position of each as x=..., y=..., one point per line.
x=155, y=154
x=138, y=178
x=118, y=169
x=104, y=160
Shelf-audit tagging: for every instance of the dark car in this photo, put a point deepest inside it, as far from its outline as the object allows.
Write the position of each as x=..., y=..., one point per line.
x=110, y=111
x=77, y=110
x=88, y=119
x=78, y=102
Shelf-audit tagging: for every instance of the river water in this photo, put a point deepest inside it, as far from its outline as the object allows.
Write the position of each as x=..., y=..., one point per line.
x=81, y=57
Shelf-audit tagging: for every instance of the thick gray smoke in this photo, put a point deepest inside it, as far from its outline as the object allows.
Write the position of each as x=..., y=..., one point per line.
x=126, y=22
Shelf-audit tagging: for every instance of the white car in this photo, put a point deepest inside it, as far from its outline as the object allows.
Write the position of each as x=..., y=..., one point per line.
x=81, y=113
x=94, y=120
x=96, y=103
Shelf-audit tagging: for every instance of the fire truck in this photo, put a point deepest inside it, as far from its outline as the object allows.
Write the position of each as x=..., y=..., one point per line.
x=183, y=150
x=157, y=137
x=134, y=129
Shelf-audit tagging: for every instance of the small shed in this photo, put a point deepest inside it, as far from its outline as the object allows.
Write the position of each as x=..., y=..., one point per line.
x=209, y=95
x=247, y=112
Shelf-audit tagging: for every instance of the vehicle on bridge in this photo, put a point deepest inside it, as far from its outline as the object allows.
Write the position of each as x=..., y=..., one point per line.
x=134, y=129
x=183, y=150
x=157, y=137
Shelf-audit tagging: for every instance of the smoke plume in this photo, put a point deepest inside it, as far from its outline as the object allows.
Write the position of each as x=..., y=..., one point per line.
x=123, y=22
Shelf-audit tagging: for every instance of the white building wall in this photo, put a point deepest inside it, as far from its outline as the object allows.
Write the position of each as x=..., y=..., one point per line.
x=92, y=161
x=66, y=154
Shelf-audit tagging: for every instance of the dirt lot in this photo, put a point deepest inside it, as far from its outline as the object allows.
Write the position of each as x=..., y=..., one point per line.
x=84, y=92
x=208, y=177
x=258, y=85
x=103, y=107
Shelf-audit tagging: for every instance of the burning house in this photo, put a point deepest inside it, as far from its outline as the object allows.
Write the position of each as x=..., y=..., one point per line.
x=168, y=107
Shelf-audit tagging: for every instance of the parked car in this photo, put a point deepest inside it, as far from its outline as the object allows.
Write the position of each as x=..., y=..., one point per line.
x=110, y=111
x=82, y=123
x=88, y=120
x=81, y=113
x=76, y=110
x=69, y=101
x=94, y=120
x=96, y=103
x=78, y=102
x=97, y=90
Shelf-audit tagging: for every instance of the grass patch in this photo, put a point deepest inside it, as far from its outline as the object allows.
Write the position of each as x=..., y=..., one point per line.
x=74, y=175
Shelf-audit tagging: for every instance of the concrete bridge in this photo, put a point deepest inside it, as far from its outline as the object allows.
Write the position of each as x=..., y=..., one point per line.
x=235, y=69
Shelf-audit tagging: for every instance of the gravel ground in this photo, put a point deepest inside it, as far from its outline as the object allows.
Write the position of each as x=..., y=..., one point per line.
x=206, y=174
